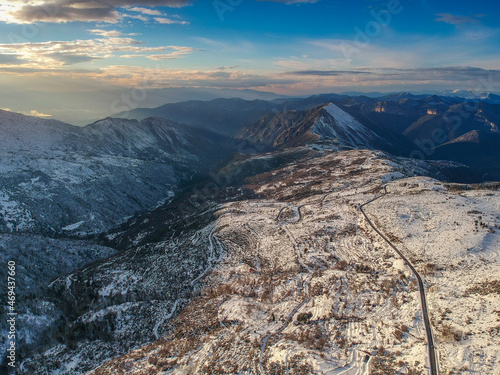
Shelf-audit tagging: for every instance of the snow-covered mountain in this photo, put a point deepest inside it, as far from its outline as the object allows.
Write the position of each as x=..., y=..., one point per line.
x=58, y=178
x=288, y=277
x=472, y=95
x=338, y=124
x=266, y=265
x=20, y=133
x=326, y=123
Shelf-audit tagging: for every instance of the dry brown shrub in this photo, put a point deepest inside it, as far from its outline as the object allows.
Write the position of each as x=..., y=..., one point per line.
x=449, y=333
x=484, y=288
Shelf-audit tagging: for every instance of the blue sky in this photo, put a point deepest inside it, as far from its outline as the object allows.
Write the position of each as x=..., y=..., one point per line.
x=55, y=55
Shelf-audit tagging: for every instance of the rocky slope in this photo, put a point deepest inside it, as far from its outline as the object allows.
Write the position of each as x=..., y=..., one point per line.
x=279, y=274
x=266, y=266
x=59, y=181
x=479, y=149
x=409, y=125
x=56, y=178
x=326, y=123
x=224, y=116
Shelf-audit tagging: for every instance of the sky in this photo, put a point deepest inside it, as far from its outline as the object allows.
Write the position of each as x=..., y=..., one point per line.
x=86, y=59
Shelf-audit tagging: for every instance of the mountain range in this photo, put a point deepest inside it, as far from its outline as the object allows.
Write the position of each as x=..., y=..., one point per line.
x=226, y=236
x=57, y=178
x=409, y=124
x=298, y=128
x=46, y=159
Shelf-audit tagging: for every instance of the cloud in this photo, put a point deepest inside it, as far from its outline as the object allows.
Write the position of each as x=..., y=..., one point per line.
x=148, y=11
x=169, y=21
x=406, y=78
x=127, y=76
x=177, y=53
x=465, y=46
x=443, y=74
x=456, y=20
x=109, y=33
x=161, y=78
x=100, y=81
x=231, y=67
x=54, y=54
x=11, y=59
x=325, y=73
x=48, y=70
x=139, y=17
x=58, y=11
x=33, y=112
x=68, y=59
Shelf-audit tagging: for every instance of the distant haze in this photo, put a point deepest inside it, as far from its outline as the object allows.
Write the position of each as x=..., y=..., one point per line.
x=83, y=60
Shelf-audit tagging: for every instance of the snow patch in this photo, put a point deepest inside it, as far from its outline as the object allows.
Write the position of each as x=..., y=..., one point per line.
x=73, y=226
x=338, y=124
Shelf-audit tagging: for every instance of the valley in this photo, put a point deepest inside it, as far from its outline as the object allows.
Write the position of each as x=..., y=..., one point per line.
x=262, y=187
x=301, y=246
x=299, y=285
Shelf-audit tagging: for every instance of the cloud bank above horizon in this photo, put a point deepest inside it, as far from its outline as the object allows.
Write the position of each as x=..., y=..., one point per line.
x=291, y=47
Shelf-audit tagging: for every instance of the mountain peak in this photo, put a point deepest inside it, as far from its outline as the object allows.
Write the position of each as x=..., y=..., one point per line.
x=327, y=122
x=22, y=132
x=111, y=121
x=340, y=125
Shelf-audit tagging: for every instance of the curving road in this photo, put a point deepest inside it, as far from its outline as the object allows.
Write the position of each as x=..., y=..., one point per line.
x=430, y=341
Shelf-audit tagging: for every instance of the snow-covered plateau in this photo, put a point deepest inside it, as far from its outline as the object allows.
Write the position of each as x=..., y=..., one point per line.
x=287, y=277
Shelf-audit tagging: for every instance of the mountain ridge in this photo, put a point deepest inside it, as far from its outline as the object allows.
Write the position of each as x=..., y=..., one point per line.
x=54, y=175
x=325, y=123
